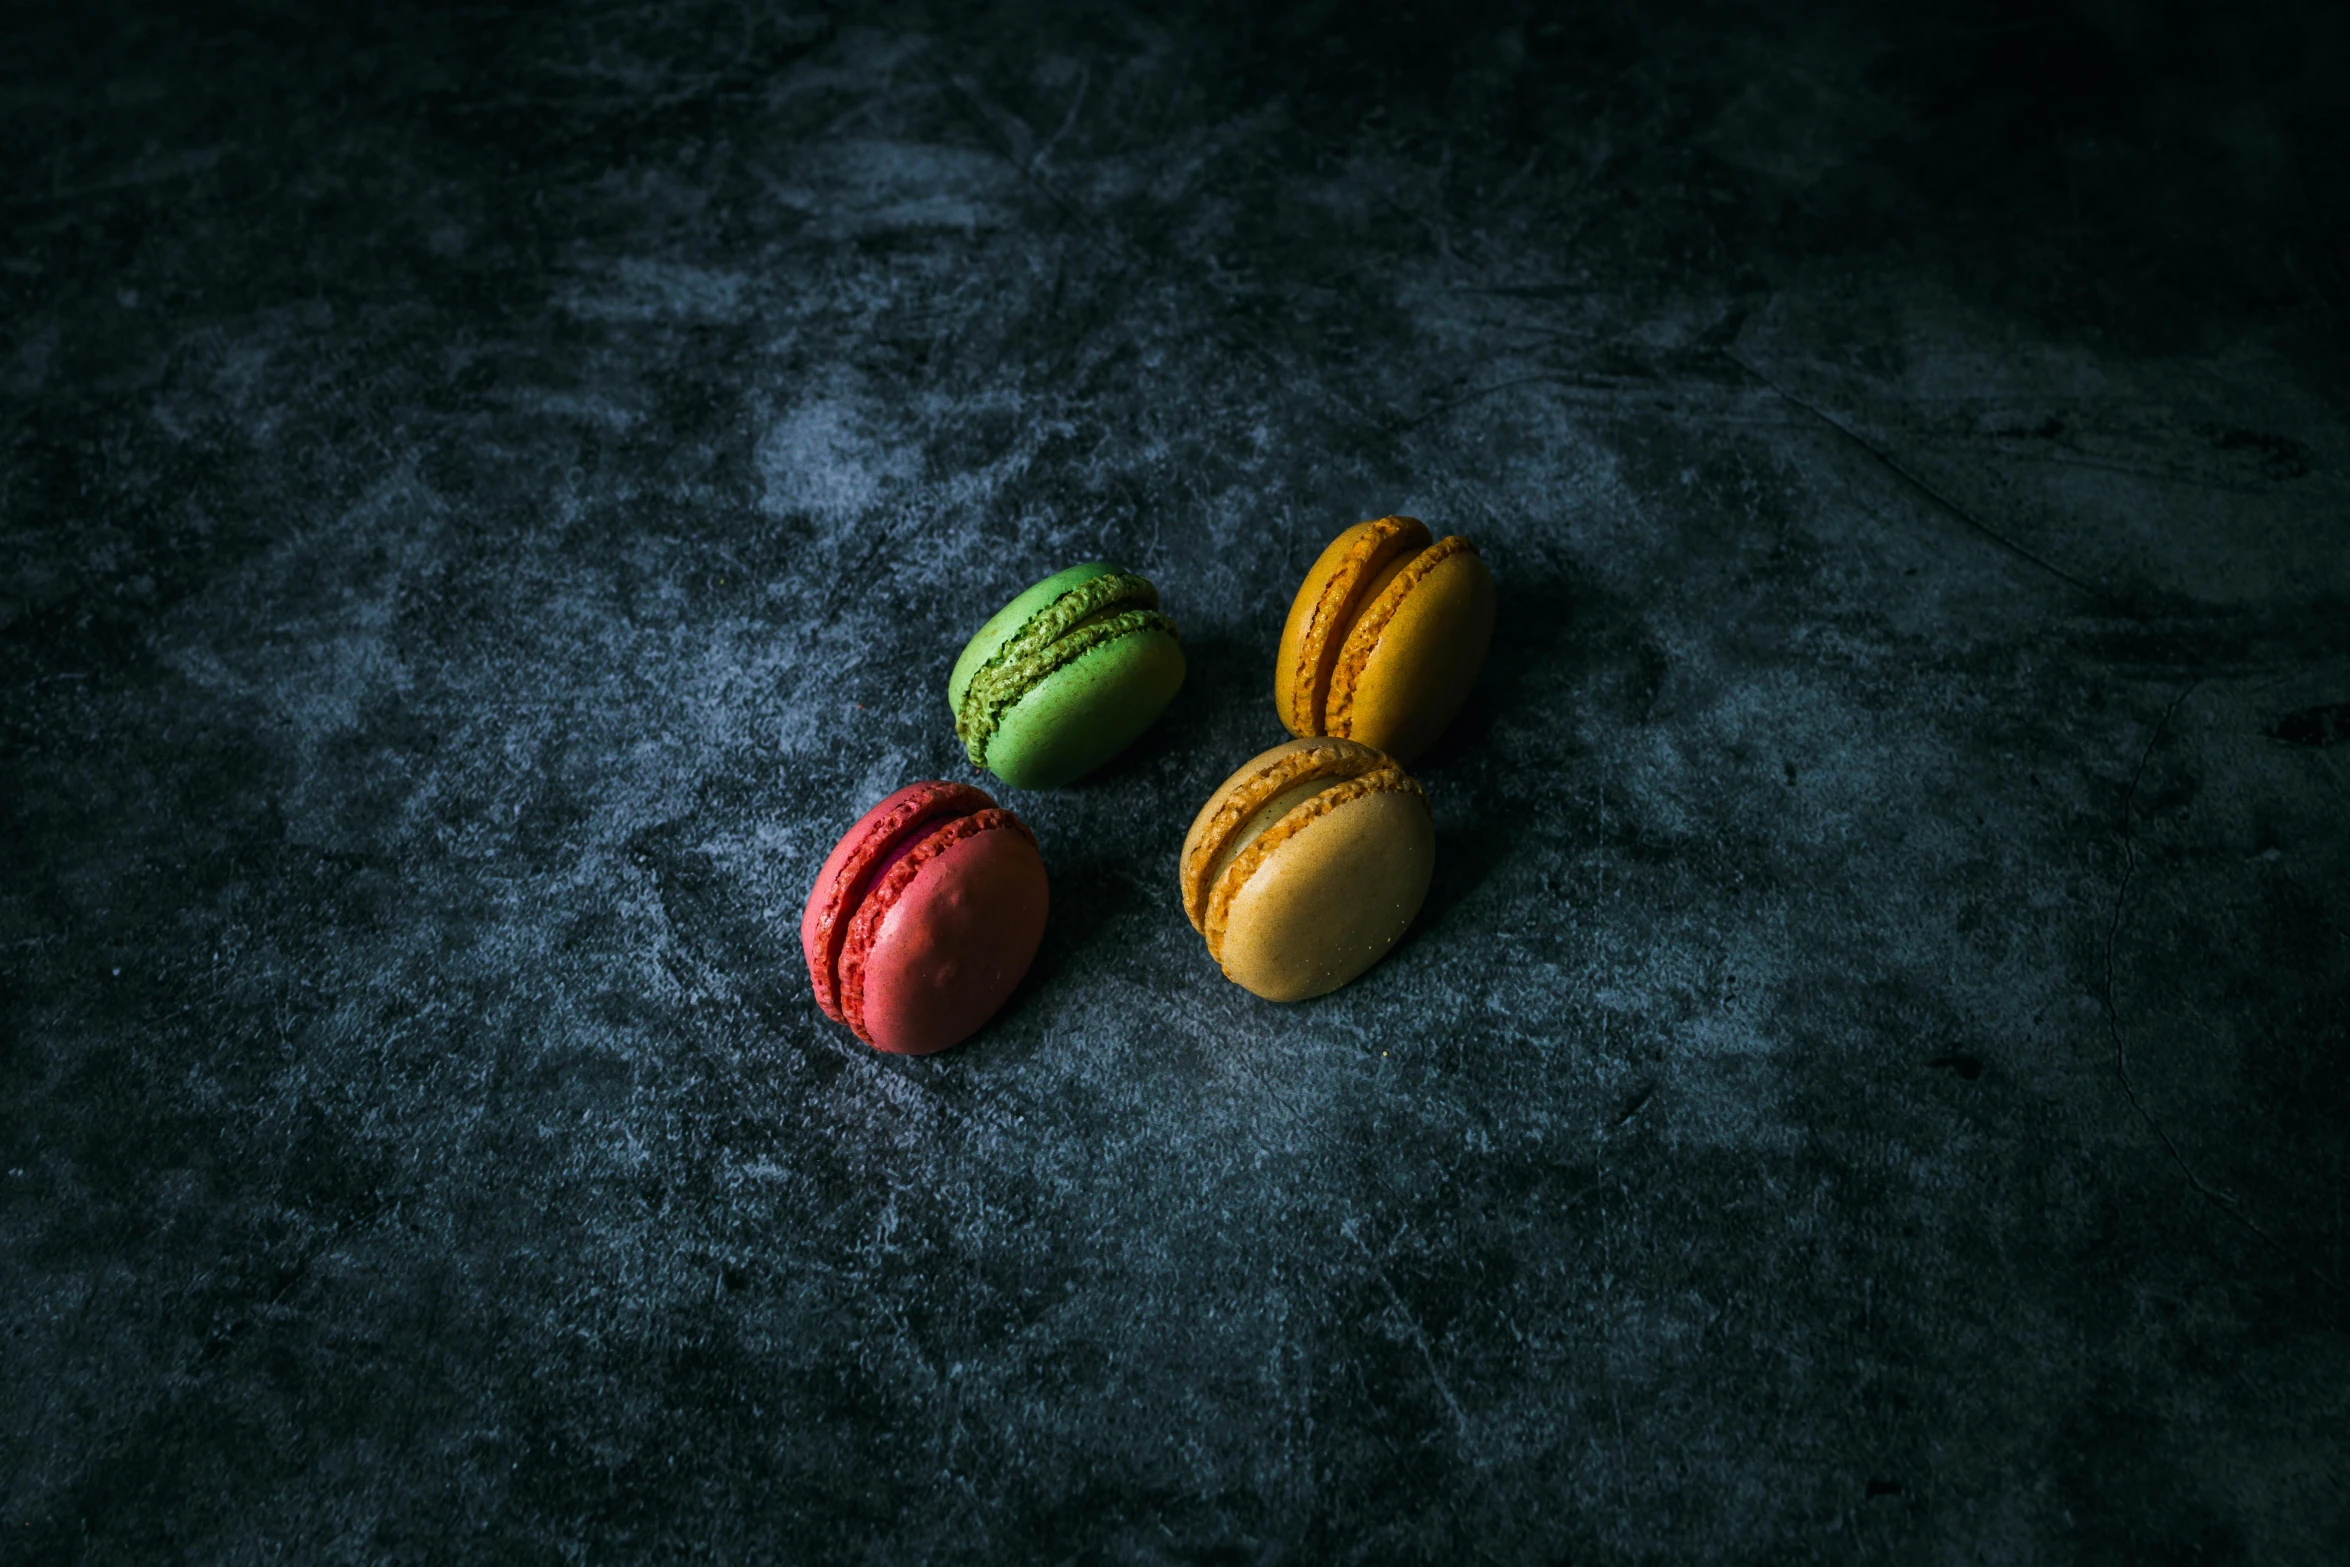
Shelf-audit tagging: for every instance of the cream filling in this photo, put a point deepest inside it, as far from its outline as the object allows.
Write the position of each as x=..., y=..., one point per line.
x=1262, y=822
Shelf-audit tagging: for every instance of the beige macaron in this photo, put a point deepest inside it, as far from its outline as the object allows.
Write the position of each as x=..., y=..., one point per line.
x=1306, y=864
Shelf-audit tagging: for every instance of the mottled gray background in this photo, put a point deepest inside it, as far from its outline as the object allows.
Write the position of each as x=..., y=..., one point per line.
x=487, y=496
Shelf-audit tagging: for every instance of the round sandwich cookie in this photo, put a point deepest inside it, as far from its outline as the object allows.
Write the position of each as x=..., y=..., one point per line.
x=1385, y=637
x=924, y=918
x=1306, y=865
x=1065, y=676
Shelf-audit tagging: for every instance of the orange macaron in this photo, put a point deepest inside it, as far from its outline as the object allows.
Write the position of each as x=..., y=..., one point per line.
x=1385, y=637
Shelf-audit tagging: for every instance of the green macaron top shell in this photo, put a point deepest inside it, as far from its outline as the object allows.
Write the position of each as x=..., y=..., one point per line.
x=1007, y=622
x=1088, y=710
x=1095, y=612
x=1065, y=676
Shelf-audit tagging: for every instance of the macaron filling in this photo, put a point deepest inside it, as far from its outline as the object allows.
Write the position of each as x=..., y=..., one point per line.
x=1273, y=811
x=1372, y=562
x=891, y=878
x=884, y=845
x=1092, y=613
x=1392, y=587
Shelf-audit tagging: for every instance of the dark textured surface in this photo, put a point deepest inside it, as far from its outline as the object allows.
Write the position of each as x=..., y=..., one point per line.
x=488, y=496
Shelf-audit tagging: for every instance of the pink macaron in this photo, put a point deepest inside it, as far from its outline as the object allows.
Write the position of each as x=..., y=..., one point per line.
x=924, y=918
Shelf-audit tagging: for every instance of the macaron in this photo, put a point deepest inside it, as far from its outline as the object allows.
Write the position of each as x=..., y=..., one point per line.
x=1385, y=637
x=1065, y=676
x=924, y=917
x=1305, y=866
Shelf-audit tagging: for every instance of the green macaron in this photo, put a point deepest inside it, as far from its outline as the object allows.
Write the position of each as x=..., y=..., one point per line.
x=1065, y=676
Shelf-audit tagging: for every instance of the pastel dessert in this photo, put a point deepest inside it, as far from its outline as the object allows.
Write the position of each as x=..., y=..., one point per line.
x=924, y=918
x=1065, y=676
x=1306, y=865
x=1385, y=637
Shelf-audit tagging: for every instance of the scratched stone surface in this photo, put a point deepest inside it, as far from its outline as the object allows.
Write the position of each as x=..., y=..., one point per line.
x=487, y=496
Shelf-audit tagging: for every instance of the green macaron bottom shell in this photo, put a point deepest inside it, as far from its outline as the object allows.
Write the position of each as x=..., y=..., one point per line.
x=1088, y=709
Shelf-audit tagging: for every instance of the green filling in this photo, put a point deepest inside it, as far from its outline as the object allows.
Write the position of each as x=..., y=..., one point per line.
x=1101, y=609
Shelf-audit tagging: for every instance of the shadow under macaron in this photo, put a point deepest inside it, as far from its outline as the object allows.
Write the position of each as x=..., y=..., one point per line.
x=1485, y=803
x=1091, y=897
x=1531, y=638
x=1466, y=857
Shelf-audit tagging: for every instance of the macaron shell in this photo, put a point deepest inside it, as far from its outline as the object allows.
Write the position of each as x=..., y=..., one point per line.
x=831, y=904
x=1331, y=901
x=1319, y=615
x=1087, y=711
x=1005, y=624
x=1251, y=785
x=955, y=944
x=1420, y=669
